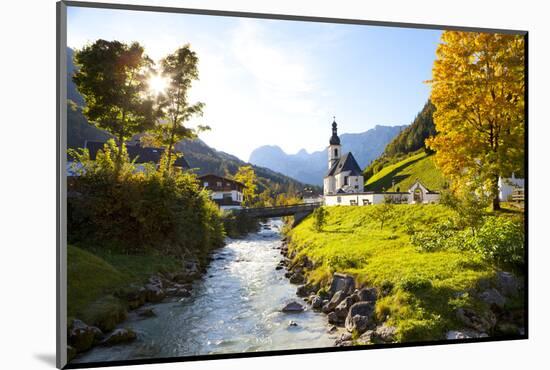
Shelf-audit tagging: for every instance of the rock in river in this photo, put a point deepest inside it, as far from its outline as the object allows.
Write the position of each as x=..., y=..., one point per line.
x=293, y=307
x=119, y=336
x=82, y=336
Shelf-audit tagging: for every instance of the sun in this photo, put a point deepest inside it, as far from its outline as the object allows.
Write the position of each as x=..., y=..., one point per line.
x=157, y=84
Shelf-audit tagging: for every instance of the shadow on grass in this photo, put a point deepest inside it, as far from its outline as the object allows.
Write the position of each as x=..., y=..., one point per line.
x=386, y=181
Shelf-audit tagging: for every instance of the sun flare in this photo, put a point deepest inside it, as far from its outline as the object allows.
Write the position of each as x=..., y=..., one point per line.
x=157, y=84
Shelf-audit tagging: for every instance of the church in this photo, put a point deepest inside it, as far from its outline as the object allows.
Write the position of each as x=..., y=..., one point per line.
x=343, y=185
x=344, y=175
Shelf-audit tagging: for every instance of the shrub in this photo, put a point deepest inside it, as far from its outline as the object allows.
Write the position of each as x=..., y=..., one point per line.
x=319, y=218
x=501, y=240
x=135, y=211
x=441, y=236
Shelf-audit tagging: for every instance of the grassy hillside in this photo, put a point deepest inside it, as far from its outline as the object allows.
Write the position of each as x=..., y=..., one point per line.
x=405, y=172
x=422, y=289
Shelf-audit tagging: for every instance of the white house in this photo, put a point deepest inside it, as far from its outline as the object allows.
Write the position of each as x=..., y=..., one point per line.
x=227, y=193
x=506, y=187
x=344, y=174
x=417, y=194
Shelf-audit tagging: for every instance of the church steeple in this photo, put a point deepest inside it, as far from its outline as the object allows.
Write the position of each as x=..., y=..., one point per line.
x=334, y=139
x=334, y=149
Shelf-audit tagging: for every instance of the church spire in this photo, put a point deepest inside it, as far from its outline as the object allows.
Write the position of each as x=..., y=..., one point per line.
x=334, y=139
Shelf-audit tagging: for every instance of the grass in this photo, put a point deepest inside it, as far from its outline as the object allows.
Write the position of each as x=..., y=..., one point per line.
x=93, y=276
x=424, y=289
x=405, y=172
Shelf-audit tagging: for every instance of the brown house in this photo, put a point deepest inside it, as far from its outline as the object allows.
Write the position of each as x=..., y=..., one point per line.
x=227, y=193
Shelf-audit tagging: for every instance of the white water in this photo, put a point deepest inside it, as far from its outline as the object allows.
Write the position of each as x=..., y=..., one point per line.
x=234, y=308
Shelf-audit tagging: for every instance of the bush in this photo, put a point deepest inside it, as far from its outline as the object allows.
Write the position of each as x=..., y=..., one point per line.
x=135, y=211
x=441, y=236
x=501, y=240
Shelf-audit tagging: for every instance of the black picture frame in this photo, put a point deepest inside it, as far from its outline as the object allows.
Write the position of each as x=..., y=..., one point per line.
x=61, y=186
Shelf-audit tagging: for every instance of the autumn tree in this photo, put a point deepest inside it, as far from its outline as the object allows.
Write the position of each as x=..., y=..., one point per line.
x=247, y=176
x=112, y=78
x=478, y=91
x=178, y=70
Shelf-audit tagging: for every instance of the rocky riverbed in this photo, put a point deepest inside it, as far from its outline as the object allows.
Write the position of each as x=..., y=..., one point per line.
x=242, y=303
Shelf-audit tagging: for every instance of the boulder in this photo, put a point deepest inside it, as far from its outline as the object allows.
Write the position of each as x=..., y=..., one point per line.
x=332, y=329
x=279, y=267
x=338, y=297
x=482, y=323
x=385, y=333
x=343, y=307
x=366, y=337
x=365, y=294
x=293, y=307
x=341, y=282
x=493, y=298
x=332, y=318
x=345, y=340
x=82, y=336
x=464, y=334
x=302, y=291
x=316, y=302
x=154, y=293
x=134, y=295
x=357, y=323
x=359, y=316
x=292, y=323
x=297, y=278
x=508, y=284
x=119, y=336
x=146, y=312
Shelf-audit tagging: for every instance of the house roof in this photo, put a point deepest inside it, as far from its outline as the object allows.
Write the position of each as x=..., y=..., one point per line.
x=428, y=191
x=345, y=163
x=210, y=175
x=138, y=153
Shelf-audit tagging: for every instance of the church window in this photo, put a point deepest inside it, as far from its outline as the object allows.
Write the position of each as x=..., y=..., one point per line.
x=339, y=199
x=335, y=152
x=346, y=180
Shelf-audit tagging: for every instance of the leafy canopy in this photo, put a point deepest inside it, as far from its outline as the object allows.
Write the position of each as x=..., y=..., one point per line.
x=112, y=77
x=478, y=91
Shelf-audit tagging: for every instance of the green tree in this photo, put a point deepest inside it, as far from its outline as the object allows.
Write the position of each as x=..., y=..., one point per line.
x=112, y=78
x=383, y=212
x=247, y=176
x=319, y=218
x=478, y=88
x=179, y=70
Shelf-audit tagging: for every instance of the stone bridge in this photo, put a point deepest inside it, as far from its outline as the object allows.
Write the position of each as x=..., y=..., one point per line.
x=299, y=211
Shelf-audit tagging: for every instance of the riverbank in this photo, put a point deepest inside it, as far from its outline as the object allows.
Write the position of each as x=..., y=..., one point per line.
x=104, y=287
x=412, y=295
x=235, y=306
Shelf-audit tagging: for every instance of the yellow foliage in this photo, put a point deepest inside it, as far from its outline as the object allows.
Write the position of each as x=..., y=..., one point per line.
x=478, y=91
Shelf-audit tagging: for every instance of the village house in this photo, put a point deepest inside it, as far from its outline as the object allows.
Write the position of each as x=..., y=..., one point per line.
x=510, y=188
x=226, y=193
x=140, y=155
x=344, y=182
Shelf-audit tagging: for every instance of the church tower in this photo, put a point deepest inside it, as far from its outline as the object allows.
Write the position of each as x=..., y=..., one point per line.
x=334, y=149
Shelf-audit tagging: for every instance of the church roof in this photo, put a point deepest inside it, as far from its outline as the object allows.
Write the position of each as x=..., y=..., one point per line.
x=345, y=163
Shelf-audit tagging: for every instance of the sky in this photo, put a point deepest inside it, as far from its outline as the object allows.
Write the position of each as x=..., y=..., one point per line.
x=275, y=82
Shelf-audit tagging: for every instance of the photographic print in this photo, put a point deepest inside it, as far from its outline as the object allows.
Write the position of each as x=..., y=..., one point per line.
x=240, y=184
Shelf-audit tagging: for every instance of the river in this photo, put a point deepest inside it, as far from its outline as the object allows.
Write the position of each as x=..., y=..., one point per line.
x=235, y=307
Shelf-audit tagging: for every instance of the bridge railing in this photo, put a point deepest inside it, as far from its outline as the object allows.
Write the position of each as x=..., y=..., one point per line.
x=297, y=207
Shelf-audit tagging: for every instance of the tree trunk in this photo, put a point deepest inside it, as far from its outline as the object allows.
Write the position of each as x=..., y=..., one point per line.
x=118, y=161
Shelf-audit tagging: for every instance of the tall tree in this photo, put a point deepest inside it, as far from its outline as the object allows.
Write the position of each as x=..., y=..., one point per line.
x=246, y=175
x=180, y=70
x=478, y=91
x=112, y=78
